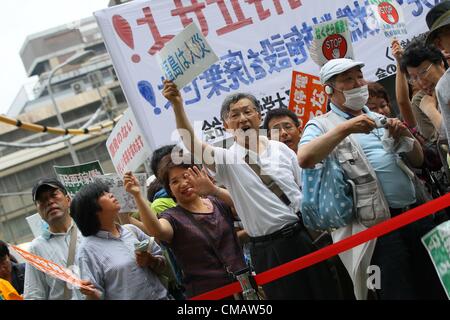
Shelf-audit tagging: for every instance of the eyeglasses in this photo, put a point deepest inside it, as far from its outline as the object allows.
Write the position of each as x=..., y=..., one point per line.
x=286, y=126
x=235, y=114
x=420, y=75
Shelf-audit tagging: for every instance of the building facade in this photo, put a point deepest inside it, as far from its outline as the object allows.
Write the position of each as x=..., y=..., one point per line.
x=86, y=93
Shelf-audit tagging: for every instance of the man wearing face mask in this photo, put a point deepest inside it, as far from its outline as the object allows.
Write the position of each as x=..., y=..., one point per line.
x=396, y=253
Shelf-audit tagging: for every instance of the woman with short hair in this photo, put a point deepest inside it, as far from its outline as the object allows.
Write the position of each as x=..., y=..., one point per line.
x=107, y=256
x=200, y=231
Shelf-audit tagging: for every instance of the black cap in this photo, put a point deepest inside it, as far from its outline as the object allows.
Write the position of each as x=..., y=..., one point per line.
x=51, y=182
x=437, y=17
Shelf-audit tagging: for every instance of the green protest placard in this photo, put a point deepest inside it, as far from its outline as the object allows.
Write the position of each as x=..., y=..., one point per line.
x=437, y=243
x=74, y=177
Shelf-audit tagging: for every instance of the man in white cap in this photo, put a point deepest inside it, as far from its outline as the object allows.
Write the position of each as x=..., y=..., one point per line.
x=393, y=253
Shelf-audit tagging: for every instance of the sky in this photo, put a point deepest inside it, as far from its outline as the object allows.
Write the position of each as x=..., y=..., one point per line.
x=20, y=18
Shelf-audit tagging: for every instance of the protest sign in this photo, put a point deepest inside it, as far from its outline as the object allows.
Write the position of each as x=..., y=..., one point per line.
x=74, y=177
x=48, y=267
x=389, y=17
x=126, y=145
x=332, y=40
x=186, y=56
x=258, y=43
x=37, y=225
x=308, y=98
x=437, y=243
x=116, y=187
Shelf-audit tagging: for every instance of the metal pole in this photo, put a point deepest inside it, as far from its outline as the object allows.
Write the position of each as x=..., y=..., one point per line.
x=69, y=145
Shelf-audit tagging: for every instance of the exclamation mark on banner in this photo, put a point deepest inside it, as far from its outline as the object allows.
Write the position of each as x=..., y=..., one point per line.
x=146, y=90
x=125, y=33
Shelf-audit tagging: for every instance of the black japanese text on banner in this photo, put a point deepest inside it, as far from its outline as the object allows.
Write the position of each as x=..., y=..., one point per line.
x=259, y=44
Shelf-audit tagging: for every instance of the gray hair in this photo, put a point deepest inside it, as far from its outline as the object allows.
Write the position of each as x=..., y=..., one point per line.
x=235, y=97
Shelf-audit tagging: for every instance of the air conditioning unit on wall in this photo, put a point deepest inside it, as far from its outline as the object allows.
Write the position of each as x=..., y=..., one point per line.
x=78, y=87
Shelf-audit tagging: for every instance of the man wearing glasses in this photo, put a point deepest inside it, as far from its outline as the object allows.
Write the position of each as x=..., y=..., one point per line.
x=263, y=178
x=287, y=125
x=399, y=255
x=53, y=203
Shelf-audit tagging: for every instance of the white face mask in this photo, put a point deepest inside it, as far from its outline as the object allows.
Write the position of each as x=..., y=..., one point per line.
x=356, y=99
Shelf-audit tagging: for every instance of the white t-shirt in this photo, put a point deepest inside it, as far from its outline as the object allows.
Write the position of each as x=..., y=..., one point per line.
x=259, y=209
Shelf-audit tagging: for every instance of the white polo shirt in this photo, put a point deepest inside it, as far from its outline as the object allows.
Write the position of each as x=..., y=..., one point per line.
x=259, y=209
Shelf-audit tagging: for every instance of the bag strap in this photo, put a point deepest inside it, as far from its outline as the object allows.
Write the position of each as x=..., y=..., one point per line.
x=329, y=121
x=209, y=239
x=71, y=256
x=268, y=181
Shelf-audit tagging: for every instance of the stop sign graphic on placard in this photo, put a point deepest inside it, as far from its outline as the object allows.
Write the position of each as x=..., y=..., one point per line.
x=334, y=47
x=388, y=13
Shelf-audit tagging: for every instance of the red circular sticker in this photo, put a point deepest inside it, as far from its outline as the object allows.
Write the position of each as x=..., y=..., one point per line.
x=388, y=13
x=334, y=47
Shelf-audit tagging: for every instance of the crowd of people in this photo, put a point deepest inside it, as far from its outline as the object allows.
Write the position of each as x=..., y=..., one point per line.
x=212, y=212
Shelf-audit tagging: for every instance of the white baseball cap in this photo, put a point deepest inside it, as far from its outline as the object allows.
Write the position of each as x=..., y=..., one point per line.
x=337, y=66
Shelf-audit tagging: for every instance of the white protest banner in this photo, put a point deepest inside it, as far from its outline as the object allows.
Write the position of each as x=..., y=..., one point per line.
x=186, y=56
x=49, y=267
x=389, y=16
x=332, y=40
x=37, y=225
x=74, y=177
x=116, y=187
x=126, y=145
x=259, y=44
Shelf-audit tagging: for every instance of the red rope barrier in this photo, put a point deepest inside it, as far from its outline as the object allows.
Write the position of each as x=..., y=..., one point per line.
x=334, y=249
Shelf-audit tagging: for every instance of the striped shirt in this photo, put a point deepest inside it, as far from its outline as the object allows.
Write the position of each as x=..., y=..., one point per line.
x=110, y=264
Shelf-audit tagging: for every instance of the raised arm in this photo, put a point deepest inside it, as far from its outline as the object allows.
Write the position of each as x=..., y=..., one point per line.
x=401, y=88
x=159, y=228
x=201, y=151
x=311, y=153
x=428, y=105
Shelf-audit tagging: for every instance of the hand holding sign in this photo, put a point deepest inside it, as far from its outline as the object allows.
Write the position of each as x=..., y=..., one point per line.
x=171, y=93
